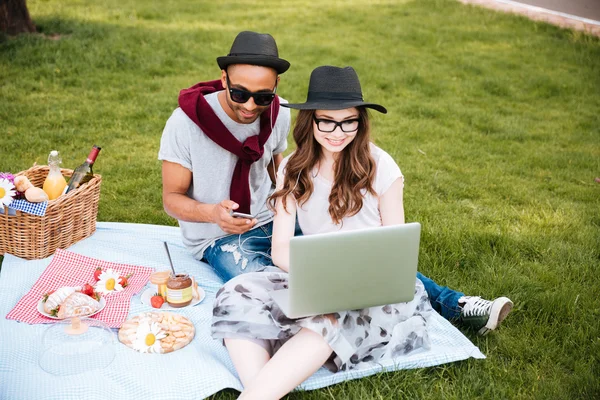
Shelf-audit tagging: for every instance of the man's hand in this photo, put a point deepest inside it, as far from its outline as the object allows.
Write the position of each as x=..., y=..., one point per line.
x=176, y=182
x=221, y=215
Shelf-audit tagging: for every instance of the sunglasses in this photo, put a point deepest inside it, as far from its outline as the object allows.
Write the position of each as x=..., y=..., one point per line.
x=242, y=96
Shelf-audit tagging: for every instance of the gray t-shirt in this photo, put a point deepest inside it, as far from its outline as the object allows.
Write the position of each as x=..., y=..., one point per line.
x=184, y=143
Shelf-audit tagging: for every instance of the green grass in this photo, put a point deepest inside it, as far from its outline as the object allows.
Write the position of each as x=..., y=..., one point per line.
x=493, y=119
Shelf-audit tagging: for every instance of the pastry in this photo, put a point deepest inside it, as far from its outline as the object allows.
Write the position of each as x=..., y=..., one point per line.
x=56, y=299
x=77, y=304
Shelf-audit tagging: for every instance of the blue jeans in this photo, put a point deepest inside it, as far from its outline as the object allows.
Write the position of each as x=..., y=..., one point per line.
x=443, y=299
x=233, y=255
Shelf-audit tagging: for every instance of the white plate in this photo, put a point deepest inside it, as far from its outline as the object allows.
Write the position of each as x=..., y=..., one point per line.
x=148, y=293
x=45, y=314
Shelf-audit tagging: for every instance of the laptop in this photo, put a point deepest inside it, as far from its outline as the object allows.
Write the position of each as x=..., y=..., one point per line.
x=350, y=270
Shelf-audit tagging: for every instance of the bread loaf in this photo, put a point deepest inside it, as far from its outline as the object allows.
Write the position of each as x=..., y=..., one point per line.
x=35, y=195
x=22, y=183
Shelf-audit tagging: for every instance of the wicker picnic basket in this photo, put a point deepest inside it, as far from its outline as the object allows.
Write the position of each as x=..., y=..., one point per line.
x=68, y=219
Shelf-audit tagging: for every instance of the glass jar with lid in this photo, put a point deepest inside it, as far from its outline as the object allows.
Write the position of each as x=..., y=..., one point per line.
x=179, y=290
x=159, y=281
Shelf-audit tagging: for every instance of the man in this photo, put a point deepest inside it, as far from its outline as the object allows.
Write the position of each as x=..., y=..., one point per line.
x=220, y=150
x=198, y=188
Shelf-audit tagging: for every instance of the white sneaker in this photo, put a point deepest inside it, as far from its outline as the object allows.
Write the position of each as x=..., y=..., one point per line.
x=483, y=315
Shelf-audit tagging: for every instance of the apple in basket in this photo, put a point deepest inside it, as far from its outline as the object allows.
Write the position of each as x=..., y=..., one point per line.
x=71, y=301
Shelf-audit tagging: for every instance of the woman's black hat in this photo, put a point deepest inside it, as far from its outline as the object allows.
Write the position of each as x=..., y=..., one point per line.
x=334, y=88
x=254, y=49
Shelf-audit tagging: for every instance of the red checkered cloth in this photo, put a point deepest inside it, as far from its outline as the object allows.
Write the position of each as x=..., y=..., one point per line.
x=72, y=269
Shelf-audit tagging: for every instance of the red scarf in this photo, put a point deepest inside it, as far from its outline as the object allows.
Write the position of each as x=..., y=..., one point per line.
x=195, y=106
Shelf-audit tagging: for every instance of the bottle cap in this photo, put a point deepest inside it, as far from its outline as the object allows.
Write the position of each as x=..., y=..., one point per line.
x=93, y=154
x=54, y=153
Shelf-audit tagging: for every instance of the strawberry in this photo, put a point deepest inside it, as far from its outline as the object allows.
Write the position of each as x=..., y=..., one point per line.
x=88, y=289
x=123, y=280
x=46, y=295
x=157, y=301
x=97, y=273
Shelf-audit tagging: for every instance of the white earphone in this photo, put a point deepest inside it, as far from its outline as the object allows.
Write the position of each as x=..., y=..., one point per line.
x=240, y=243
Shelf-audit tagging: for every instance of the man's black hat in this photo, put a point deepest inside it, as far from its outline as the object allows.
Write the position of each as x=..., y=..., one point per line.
x=334, y=88
x=254, y=49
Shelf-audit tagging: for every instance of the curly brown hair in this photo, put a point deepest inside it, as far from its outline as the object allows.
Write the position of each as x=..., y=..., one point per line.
x=354, y=168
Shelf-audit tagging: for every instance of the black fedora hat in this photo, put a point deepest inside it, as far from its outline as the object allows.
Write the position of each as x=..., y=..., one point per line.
x=334, y=88
x=254, y=49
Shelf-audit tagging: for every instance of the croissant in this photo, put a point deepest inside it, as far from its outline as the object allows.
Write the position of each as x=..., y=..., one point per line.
x=58, y=297
x=77, y=305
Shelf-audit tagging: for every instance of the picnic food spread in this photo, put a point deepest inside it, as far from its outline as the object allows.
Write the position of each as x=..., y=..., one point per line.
x=157, y=332
x=60, y=294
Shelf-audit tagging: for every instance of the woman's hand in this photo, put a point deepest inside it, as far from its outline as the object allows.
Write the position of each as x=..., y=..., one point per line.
x=284, y=226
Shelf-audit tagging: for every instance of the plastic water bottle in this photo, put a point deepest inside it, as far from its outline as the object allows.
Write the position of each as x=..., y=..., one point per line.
x=55, y=183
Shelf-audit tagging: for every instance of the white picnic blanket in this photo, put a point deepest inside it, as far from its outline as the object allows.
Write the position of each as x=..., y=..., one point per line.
x=194, y=372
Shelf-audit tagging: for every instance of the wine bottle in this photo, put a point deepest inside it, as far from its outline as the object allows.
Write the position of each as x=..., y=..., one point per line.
x=84, y=173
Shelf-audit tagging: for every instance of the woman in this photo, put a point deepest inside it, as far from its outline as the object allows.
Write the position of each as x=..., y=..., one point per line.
x=347, y=183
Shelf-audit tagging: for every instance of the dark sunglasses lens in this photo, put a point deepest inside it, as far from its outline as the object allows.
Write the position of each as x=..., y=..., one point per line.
x=263, y=99
x=239, y=96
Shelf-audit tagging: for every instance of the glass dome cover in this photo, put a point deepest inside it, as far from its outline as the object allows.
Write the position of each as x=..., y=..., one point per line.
x=69, y=344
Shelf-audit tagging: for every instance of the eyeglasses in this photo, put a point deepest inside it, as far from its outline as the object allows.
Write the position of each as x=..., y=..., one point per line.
x=242, y=96
x=327, y=125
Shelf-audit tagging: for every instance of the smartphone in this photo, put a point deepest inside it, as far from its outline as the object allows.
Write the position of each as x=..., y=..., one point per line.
x=241, y=215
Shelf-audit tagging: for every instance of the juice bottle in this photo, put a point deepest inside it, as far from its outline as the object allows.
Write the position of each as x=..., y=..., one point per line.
x=55, y=183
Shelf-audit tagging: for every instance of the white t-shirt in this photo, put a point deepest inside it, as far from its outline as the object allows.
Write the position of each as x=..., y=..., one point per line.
x=314, y=217
x=184, y=143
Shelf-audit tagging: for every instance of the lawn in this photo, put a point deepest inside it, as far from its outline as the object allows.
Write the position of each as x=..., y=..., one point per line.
x=493, y=119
